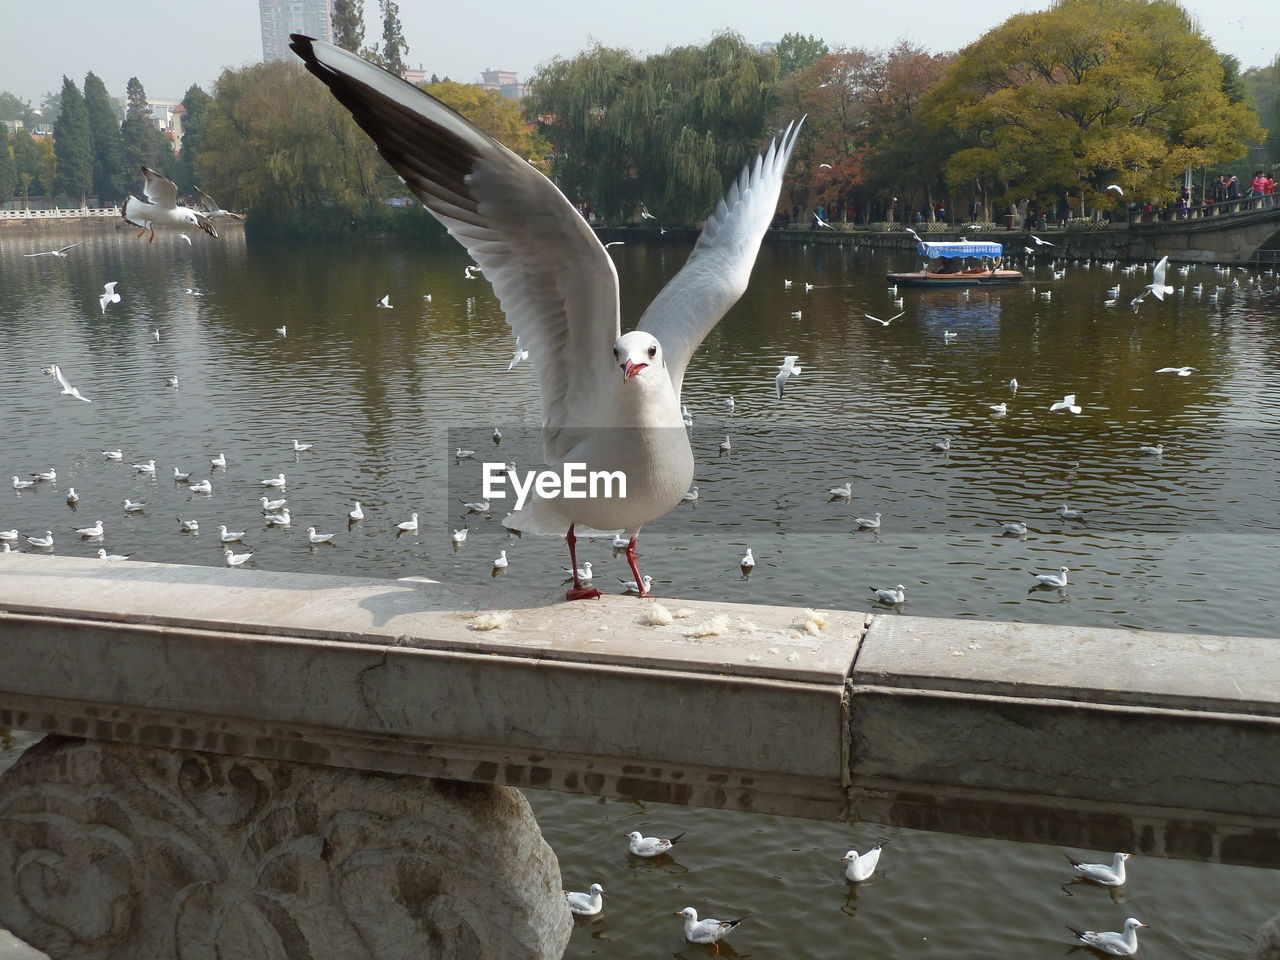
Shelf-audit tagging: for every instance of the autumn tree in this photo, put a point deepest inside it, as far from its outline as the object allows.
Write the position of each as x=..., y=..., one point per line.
x=274, y=135
x=394, y=46
x=48, y=169
x=498, y=116
x=195, y=105
x=110, y=175
x=1088, y=93
x=73, y=144
x=796, y=52
x=669, y=131
x=26, y=160
x=348, y=24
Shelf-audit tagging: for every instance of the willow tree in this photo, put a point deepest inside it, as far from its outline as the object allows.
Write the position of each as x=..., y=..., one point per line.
x=1089, y=93
x=274, y=136
x=669, y=131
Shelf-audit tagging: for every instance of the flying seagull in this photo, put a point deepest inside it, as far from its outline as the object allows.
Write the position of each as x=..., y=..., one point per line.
x=559, y=290
x=67, y=389
x=209, y=207
x=884, y=323
x=161, y=208
x=789, y=368
x=1116, y=187
x=109, y=295
x=60, y=253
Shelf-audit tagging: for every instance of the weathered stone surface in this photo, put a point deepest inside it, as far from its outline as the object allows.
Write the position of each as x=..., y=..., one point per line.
x=117, y=852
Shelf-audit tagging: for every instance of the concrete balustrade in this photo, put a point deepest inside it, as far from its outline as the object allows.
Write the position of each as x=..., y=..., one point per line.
x=1098, y=738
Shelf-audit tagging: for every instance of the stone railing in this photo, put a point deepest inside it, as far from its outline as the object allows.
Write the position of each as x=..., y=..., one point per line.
x=63, y=213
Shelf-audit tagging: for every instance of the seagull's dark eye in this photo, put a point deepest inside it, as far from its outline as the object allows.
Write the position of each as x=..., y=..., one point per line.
x=615, y=353
x=653, y=351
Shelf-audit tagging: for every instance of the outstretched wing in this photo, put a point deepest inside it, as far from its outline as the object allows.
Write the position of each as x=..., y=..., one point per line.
x=207, y=203
x=556, y=283
x=205, y=224
x=717, y=271
x=158, y=189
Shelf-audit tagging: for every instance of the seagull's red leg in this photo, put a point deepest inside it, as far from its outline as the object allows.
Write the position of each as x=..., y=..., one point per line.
x=635, y=570
x=578, y=592
x=153, y=234
x=142, y=231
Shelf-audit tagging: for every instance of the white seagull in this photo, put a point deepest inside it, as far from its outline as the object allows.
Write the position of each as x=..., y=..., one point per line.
x=273, y=481
x=299, y=447
x=319, y=537
x=789, y=368
x=60, y=253
x=884, y=323
x=67, y=389
x=1180, y=371
x=109, y=295
x=20, y=484
x=357, y=513
x=842, y=493
x=608, y=400
x=582, y=573
x=1067, y=513
x=1058, y=579
x=457, y=536
x=410, y=525
x=892, y=597
x=235, y=559
x=160, y=209
x=72, y=497
x=271, y=506
x=705, y=931
x=586, y=904
x=189, y=526
x=45, y=541
x=1157, y=286
x=385, y=303
x=1109, y=875
x=281, y=519
x=868, y=523
x=91, y=533
x=148, y=467
x=1156, y=450
x=229, y=536
x=283, y=331
x=113, y=454
x=1117, y=944
x=219, y=461
x=520, y=354
x=1116, y=187
x=748, y=560
x=629, y=586
x=201, y=486
x=500, y=562
x=132, y=507
x=1013, y=528
x=859, y=867
x=1066, y=403
x=641, y=845
x=103, y=555
x=209, y=207
x=471, y=271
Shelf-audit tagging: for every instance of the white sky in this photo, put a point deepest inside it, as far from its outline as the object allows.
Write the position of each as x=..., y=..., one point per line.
x=180, y=42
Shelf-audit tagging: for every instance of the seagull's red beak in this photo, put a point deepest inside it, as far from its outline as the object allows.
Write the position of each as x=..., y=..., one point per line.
x=630, y=369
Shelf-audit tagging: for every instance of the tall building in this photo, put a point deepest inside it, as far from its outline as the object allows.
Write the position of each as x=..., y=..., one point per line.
x=504, y=81
x=283, y=17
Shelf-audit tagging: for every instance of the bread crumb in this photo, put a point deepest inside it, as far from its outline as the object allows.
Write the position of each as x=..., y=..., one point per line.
x=792, y=657
x=773, y=650
x=683, y=613
x=491, y=621
x=746, y=626
x=811, y=628
x=717, y=626
x=816, y=618
x=659, y=616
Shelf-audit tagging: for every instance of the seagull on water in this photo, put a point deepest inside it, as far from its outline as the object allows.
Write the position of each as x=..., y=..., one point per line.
x=943, y=445
x=726, y=446
x=582, y=573
x=789, y=368
x=884, y=323
x=1058, y=579
x=235, y=559
x=109, y=295
x=60, y=253
x=868, y=523
x=1066, y=403
x=160, y=208
x=319, y=537
x=20, y=484
x=708, y=930
x=410, y=525
x=500, y=562
x=892, y=597
x=45, y=541
x=6, y=535
x=300, y=447
x=91, y=533
x=357, y=513
x=691, y=496
x=229, y=536
x=559, y=291
x=457, y=536
x=219, y=461
x=113, y=454
x=1013, y=528
x=1117, y=944
x=748, y=560
x=641, y=845
x=189, y=526
x=1067, y=513
x=586, y=904
x=842, y=493
x=281, y=519
x=999, y=409
x=132, y=507
x=273, y=481
x=859, y=867
x=148, y=467
x=67, y=389
x=471, y=271
x=103, y=555
x=1108, y=874
x=1156, y=450
x=385, y=303
x=1180, y=371
x=947, y=335
x=50, y=474
x=201, y=486
x=477, y=506
x=460, y=454
x=283, y=331
x=629, y=586
x=271, y=506
x=180, y=477
x=211, y=209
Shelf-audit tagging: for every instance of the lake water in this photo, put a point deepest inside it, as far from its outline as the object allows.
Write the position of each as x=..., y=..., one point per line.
x=1184, y=542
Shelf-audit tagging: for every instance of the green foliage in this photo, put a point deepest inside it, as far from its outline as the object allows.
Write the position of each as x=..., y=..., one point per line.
x=279, y=222
x=273, y=136
x=498, y=116
x=12, y=106
x=1091, y=92
x=656, y=131
x=110, y=176
x=394, y=46
x=48, y=166
x=1233, y=85
x=26, y=160
x=348, y=24
x=143, y=143
x=8, y=169
x=796, y=52
x=195, y=103
x=73, y=143
x=50, y=108
x=1263, y=85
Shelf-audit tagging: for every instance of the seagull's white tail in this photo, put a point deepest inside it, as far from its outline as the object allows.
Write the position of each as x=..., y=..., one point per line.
x=134, y=212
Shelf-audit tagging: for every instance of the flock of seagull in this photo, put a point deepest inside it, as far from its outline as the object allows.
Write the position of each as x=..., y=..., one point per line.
x=860, y=867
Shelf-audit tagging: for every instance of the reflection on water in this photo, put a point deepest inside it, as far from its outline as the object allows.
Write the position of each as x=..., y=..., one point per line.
x=1184, y=541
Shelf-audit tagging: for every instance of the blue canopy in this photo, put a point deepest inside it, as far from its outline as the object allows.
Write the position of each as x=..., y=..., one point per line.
x=956, y=248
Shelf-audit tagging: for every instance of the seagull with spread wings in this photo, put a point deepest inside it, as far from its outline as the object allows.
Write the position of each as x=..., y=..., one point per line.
x=160, y=209
x=210, y=208
x=60, y=253
x=609, y=401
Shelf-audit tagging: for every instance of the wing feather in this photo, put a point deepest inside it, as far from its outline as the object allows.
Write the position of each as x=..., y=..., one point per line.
x=716, y=274
x=556, y=283
x=158, y=189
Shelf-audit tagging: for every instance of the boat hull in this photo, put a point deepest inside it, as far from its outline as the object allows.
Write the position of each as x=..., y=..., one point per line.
x=985, y=278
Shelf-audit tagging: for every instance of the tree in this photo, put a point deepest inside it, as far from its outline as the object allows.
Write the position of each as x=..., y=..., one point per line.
x=273, y=135
x=48, y=169
x=26, y=157
x=669, y=131
x=348, y=24
x=110, y=178
x=50, y=107
x=143, y=143
x=796, y=52
x=394, y=46
x=1088, y=93
x=12, y=106
x=1233, y=85
x=73, y=143
x=8, y=169
x=498, y=116
x=195, y=104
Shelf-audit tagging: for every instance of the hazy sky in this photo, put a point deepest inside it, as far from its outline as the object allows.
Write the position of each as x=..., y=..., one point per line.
x=180, y=42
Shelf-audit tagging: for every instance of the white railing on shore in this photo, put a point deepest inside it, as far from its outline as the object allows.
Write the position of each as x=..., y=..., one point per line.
x=66, y=213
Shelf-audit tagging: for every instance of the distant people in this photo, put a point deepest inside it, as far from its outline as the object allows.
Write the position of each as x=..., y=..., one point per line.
x=1220, y=190
x=1233, y=188
x=918, y=218
x=941, y=212
x=1184, y=203
x=1258, y=185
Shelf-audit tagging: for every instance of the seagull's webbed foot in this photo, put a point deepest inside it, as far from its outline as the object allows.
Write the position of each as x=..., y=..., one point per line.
x=579, y=592
x=635, y=568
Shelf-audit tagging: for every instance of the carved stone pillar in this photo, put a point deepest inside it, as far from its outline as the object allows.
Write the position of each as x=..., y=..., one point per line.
x=121, y=852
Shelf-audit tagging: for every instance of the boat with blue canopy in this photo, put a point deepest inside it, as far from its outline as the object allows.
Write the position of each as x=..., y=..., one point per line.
x=959, y=263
